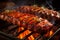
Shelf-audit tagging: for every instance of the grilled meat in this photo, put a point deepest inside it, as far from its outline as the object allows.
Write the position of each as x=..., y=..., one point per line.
x=41, y=12
x=27, y=21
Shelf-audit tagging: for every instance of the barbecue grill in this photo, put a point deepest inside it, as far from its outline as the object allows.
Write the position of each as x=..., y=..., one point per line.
x=29, y=22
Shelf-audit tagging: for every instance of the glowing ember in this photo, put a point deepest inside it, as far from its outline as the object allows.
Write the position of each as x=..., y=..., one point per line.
x=20, y=29
x=31, y=38
x=51, y=32
x=22, y=35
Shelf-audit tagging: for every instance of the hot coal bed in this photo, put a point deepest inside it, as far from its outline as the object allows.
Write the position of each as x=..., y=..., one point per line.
x=29, y=22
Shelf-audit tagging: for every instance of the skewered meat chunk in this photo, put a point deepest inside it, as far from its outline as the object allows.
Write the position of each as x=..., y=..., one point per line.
x=28, y=21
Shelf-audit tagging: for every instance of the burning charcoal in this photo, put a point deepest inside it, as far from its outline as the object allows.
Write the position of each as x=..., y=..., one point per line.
x=33, y=36
x=25, y=33
x=30, y=38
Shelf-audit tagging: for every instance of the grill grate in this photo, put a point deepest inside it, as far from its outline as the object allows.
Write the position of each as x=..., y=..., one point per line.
x=14, y=27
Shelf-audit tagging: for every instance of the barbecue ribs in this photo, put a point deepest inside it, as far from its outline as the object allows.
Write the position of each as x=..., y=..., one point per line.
x=36, y=19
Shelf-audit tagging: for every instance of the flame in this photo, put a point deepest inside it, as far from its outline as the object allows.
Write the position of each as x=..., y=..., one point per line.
x=20, y=29
x=51, y=32
x=31, y=38
x=48, y=34
x=22, y=35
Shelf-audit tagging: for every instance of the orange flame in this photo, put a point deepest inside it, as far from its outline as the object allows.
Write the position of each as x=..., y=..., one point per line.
x=48, y=34
x=22, y=35
x=31, y=38
x=20, y=29
x=51, y=33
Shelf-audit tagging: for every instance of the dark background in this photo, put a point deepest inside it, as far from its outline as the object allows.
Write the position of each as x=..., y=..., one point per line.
x=55, y=3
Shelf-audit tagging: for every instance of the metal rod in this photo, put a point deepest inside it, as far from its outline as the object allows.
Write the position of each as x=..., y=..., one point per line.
x=20, y=32
x=38, y=37
x=8, y=31
x=8, y=36
x=50, y=5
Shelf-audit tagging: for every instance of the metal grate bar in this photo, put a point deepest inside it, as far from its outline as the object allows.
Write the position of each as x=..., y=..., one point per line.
x=20, y=32
x=54, y=33
x=37, y=37
x=8, y=31
x=8, y=36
